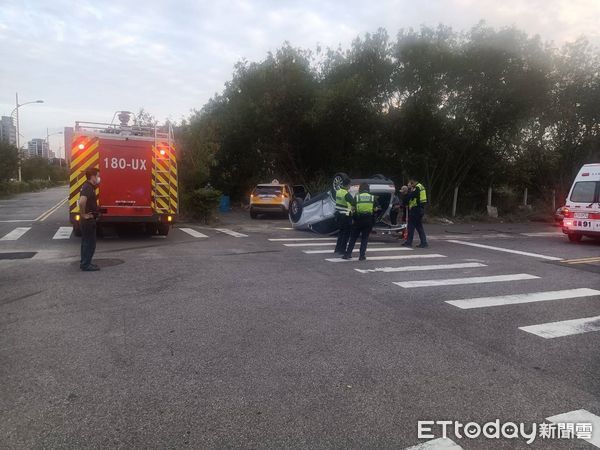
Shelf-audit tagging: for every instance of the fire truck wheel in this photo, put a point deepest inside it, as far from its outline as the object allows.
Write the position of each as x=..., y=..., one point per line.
x=77, y=230
x=574, y=237
x=163, y=229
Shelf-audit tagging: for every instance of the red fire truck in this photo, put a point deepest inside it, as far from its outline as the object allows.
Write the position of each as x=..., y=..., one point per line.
x=138, y=169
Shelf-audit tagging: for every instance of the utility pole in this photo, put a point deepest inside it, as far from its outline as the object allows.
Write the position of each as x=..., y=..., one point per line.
x=48, y=141
x=18, y=136
x=17, y=106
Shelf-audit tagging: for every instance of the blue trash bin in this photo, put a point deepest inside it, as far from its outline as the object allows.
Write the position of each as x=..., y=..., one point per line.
x=224, y=204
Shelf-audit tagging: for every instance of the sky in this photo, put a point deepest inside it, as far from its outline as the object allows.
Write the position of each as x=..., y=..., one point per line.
x=89, y=58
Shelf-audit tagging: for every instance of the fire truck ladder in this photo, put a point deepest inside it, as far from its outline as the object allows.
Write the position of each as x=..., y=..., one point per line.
x=163, y=171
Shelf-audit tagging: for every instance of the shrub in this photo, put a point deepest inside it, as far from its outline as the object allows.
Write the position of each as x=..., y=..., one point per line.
x=202, y=203
x=17, y=187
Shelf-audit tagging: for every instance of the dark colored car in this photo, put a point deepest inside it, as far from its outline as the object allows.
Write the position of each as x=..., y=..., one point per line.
x=559, y=215
x=318, y=213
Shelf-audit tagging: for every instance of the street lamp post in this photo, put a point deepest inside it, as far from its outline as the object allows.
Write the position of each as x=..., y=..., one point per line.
x=17, y=106
x=48, y=143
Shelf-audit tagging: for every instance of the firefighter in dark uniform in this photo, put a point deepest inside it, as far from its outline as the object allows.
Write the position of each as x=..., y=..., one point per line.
x=88, y=208
x=343, y=210
x=416, y=201
x=364, y=206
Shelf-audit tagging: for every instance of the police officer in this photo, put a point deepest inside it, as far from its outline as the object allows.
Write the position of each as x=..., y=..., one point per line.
x=396, y=205
x=416, y=201
x=343, y=209
x=403, y=206
x=88, y=208
x=363, y=221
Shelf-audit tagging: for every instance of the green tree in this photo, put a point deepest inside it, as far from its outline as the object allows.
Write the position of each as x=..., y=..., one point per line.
x=486, y=106
x=35, y=168
x=9, y=160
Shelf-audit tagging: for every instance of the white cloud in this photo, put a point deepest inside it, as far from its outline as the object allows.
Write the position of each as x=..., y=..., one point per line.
x=88, y=58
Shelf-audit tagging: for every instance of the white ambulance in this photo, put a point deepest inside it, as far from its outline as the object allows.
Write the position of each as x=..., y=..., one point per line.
x=582, y=207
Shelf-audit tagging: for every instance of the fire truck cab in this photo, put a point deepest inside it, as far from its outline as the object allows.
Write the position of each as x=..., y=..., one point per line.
x=138, y=169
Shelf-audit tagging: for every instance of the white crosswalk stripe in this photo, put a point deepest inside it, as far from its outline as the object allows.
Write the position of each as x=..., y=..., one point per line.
x=468, y=280
x=386, y=257
x=506, y=250
x=231, y=232
x=193, y=233
x=15, y=234
x=581, y=416
x=320, y=244
x=484, y=302
x=311, y=244
x=63, y=233
x=376, y=249
x=303, y=239
x=447, y=237
x=425, y=267
x=437, y=444
x=563, y=328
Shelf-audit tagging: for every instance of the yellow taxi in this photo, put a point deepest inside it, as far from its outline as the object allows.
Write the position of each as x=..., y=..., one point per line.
x=273, y=197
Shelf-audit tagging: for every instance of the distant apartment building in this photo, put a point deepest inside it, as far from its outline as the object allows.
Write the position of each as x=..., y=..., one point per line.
x=8, y=131
x=38, y=147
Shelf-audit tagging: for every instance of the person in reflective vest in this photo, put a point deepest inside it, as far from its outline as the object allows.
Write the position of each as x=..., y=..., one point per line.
x=416, y=201
x=343, y=210
x=364, y=206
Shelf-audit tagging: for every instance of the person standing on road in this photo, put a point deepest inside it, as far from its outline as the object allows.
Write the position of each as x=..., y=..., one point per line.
x=88, y=208
x=343, y=209
x=398, y=207
x=363, y=221
x=416, y=201
x=403, y=207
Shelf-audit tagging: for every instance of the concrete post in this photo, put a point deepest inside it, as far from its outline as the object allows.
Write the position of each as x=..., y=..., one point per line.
x=454, y=201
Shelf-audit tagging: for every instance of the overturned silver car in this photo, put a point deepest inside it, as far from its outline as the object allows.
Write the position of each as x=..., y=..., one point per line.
x=318, y=213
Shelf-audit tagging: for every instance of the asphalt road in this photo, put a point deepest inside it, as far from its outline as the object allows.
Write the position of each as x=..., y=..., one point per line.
x=220, y=337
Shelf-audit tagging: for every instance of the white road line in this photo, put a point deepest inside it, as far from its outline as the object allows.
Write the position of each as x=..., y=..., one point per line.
x=564, y=327
x=15, y=234
x=311, y=244
x=376, y=249
x=445, y=237
x=48, y=213
x=543, y=233
x=437, y=444
x=418, y=268
x=231, y=232
x=468, y=280
x=63, y=233
x=303, y=239
x=484, y=302
x=193, y=233
x=322, y=244
x=382, y=258
x=17, y=220
x=581, y=416
x=506, y=250
x=442, y=237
